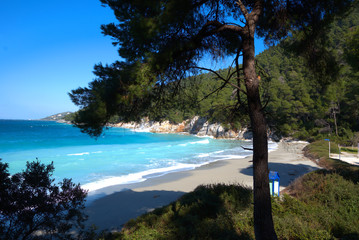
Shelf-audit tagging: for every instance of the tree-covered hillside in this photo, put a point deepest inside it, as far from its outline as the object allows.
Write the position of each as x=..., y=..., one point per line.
x=296, y=102
x=303, y=107
x=59, y=116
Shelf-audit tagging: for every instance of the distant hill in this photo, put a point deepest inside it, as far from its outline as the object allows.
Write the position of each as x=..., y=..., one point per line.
x=56, y=117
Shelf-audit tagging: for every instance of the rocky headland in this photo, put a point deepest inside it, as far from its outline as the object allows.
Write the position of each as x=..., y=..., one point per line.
x=198, y=126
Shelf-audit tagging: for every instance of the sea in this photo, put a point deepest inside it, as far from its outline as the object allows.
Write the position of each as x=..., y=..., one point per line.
x=119, y=156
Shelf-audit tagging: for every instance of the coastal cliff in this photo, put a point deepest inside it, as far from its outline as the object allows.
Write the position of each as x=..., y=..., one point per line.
x=198, y=126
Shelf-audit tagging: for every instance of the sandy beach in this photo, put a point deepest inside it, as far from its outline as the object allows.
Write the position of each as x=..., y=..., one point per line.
x=110, y=208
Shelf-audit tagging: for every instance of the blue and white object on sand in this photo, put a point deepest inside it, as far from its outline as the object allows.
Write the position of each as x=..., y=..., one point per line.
x=274, y=183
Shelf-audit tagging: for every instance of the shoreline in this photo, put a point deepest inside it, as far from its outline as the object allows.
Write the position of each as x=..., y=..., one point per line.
x=140, y=177
x=148, y=175
x=143, y=176
x=111, y=207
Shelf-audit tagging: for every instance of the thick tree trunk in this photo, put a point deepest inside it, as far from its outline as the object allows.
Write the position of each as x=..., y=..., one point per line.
x=263, y=221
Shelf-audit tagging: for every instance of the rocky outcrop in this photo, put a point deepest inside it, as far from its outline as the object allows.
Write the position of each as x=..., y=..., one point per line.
x=198, y=126
x=152, y=126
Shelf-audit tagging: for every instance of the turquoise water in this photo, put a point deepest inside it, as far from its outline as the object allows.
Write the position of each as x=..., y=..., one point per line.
x=119, y=156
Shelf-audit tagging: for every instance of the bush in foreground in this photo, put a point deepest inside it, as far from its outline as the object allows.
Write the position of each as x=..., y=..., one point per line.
x=33, y=207
x=322, y=205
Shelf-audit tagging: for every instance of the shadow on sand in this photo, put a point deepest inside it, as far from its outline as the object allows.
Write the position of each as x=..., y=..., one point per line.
x=287, y=172
x=113, y=211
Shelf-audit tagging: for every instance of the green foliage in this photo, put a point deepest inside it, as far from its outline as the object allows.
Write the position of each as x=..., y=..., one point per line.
x=216, y=106
x=350, y=150
x=300, y=105
x=120, y=89
x=331, y=203
x=33, y=207
x=70, y=117
x=320, y=150
x=352, y=47
x=114, y=119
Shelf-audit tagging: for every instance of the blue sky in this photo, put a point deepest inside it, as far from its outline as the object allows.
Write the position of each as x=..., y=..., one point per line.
x=48, y=48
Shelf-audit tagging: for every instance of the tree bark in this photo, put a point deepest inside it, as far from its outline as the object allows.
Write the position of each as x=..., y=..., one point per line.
x=263, y=221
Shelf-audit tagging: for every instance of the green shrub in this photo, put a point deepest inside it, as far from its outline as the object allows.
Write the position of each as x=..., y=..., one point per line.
x=329, y=203
x=350, y=150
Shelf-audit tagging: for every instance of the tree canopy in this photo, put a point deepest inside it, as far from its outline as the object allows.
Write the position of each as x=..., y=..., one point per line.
x=352, y=49
x=164, y=41
x=297, y=105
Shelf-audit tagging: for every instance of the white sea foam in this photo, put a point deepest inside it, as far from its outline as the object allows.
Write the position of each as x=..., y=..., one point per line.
x=272, y=146
x=138, y=177
x=211, y=154
x=78, y=154
x=157, y=172
x=206, y=141
x=141, y=130
x=221, y=151
x=231, y=156
x=202, y=155
x=205, y=136
x=110, y=181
